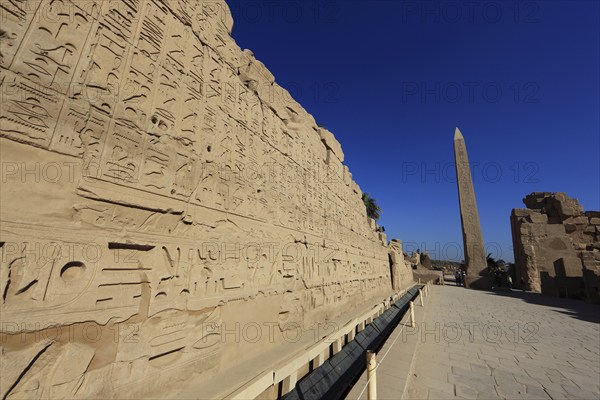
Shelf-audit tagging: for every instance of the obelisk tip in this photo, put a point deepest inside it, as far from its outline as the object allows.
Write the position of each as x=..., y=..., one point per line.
x=457, y=134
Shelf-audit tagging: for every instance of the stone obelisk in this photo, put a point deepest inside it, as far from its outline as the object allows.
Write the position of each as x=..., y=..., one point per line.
x=474, y=251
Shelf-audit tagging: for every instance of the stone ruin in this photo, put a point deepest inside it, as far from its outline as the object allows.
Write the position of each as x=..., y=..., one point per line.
x=401, y=269
x=160, y=194
x=557, y=246
x=422, y=268
x=414, y=268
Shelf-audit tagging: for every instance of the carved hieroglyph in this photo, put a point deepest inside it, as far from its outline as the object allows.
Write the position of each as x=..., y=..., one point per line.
x=157, y=186
x=474, y=251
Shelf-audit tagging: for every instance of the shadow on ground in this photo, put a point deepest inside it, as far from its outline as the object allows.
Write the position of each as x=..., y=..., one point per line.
x=575, y=308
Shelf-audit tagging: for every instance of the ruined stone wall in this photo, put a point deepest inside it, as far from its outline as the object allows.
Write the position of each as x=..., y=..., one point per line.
x=402, y=272
x=157, y=186
x=557, y=246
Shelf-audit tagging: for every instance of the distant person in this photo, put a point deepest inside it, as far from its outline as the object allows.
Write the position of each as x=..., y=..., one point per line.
x=463, y=278
x=509, y=281
x=457, y=279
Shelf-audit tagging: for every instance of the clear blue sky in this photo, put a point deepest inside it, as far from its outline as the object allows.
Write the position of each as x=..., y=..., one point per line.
x=392, y=79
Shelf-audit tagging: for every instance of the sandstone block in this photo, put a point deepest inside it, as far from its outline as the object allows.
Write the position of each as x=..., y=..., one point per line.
x=383, y=238
x=330, y=142
x=536, y=200
x=536, y=230
x=522, y=212
x=577, y=220
x=582, y=237
x=347, y=175
x=567, y=206
x=426, y=260
x=537, y=218
x=569, y=228
x=372, y=223
x=553, y=204
x=254, y=70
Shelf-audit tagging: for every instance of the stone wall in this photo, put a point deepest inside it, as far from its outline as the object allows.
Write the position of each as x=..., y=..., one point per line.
x=158, y=188
x=557, y=246
x=414, y=268
x=402, y=272
x=425, y=275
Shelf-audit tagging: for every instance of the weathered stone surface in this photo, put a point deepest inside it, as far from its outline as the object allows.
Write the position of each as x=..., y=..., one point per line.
x=425, y=275
x=553, y=204
x=160, y=188
x=425, y=260
x=592, y=214
x=415, y=259
x=331, y=143
x=591, y=273
x=252, y=70
x=474, y=250
x=524, y=212
x=537, y=218
x=577, y=220
x=402, y=273
x=553, y=255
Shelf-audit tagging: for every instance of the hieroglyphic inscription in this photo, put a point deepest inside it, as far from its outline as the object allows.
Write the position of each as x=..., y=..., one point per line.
x=196, y=185
x=474, y=251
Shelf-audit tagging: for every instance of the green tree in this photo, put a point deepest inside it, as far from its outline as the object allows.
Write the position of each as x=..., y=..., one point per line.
x=373, y=210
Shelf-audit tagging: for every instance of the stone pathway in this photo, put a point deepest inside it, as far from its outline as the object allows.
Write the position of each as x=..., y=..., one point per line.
x=394, y=361
x=499, y=345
